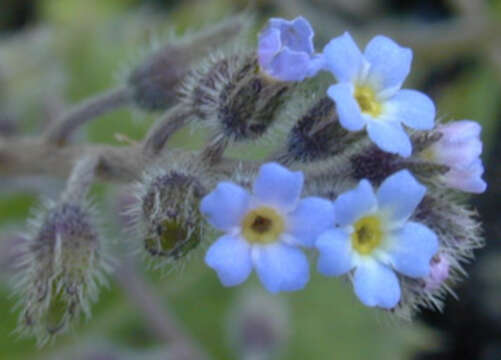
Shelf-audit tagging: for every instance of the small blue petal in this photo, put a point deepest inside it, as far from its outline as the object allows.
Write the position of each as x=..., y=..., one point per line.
x=230, y=256
x=412, y=249
x=289, y=65
x=225, y=206
x=296, y=34
x=399, y=195
x=390, y=62
x=335, y=253
x=376, y=285
x=413, y=108
x=269, y=45
x=281, y=267
x=343, y=58
x=278, y=186
x=285, y=50
x=353, y=204
x=389, y=136
x=312, y=217
x=347, y=107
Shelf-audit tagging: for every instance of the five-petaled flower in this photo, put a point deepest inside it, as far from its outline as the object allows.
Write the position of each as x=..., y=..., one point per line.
x=286, y=51
x=375, y=238
x=459, y=148
x=264, y=230
x=368, y=92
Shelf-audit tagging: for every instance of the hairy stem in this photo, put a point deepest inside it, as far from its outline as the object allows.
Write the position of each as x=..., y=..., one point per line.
x=79, y=114
x=173, y=120
x=119, y=164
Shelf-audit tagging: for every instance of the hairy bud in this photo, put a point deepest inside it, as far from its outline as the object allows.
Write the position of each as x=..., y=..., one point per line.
x=374, y=164
x=458, y=234
x=60, y=269
x=155, y=80
x=166, y=216
x=317, y=135
x=234, y=98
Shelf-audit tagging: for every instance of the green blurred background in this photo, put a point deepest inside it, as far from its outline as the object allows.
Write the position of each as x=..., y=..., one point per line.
x=66, y=50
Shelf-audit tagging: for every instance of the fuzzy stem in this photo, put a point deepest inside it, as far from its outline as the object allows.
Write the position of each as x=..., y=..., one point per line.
x=79, y=114
x=173, y=120
x=31, y=156
x=80, y=180
x=164, y=325
x=214, y=150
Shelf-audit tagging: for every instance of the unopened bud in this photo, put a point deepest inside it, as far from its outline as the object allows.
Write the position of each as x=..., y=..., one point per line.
x=439, y=272
x=60, y=269
x=318, y=134
x=166, y=215
x=457, y=150
x=236, y=99
x=155, y=81
x=374, y=164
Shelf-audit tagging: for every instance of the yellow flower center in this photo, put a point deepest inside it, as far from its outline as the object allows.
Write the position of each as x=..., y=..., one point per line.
x=366, y=99
x=367, y=235
x=262, y=225
x=428, y=154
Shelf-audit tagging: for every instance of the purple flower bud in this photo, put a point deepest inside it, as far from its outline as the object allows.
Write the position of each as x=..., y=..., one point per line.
x=285, y=50
x=439, y=272
x=459, y=148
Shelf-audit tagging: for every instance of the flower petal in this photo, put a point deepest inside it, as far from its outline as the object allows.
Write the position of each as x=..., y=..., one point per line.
x=278, y=186
x=457, y=132
x=225, y=206
x=335, y=253
x=376, y=285
x=467, y=179
x=413, y=108
x=399, y=195
x=412, y=248
x=353, y=204
x=281, y=267
x=289, y=65
x=269, y=44
x=343, y=58
x=312, y=217
x=389, y=136
x=230, y=256
x=390, y=63
x=347, y=107
x=295, y=34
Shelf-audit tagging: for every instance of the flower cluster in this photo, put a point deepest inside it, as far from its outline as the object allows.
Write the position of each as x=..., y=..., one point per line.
x=381, y=235
x=361, y=231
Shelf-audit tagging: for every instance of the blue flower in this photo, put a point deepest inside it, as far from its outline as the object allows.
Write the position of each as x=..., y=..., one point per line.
x=375, y=238
x=264, y=229
x=368, y=93
x=459, y=148
x=286, y=52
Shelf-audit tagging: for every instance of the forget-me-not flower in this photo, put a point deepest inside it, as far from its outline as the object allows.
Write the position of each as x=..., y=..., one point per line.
x=459, y=148
x=375, y=238
x=286, y=52
x=264, y=229
x=369, y=94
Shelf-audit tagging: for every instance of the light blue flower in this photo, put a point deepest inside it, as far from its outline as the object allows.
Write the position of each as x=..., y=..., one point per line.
x=459, y=148
x=369, y=95
x=263, y=230
x=375, y=238
x=285, y=50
